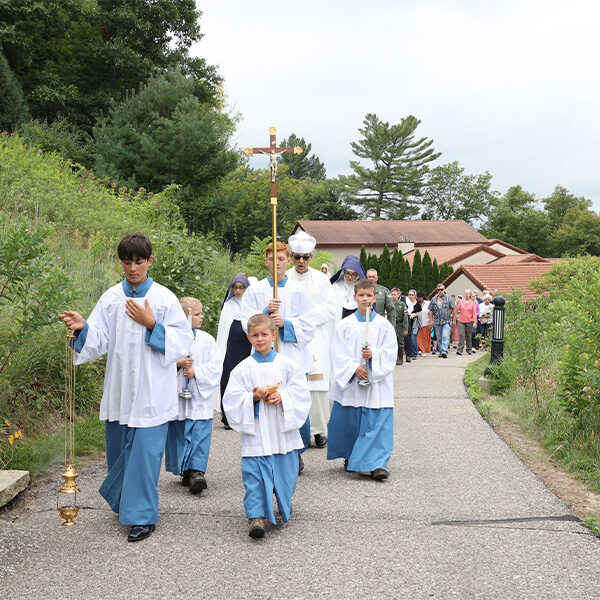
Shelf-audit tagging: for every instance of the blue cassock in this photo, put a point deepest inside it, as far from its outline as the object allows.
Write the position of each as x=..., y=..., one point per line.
x=134, y=454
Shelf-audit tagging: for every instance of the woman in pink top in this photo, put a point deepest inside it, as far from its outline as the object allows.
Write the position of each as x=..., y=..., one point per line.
x=467, y=319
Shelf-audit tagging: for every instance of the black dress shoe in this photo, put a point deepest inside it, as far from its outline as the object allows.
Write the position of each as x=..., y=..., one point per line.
x=140, y=532
x=408, y=359
x=379, y=474
x=320, y=440
x=185, y=478
x=197, y=482
x=345, y=464
x=300, y=464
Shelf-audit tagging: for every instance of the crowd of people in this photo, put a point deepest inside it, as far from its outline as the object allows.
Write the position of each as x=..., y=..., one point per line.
x=314, y=362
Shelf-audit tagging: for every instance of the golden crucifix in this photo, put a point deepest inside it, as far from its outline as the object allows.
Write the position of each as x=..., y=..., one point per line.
x=273, y=153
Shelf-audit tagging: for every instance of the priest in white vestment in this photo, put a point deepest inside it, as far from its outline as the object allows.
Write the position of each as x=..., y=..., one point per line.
x=317, y=285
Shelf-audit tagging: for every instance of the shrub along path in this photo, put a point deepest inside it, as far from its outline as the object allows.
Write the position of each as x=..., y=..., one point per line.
x=461, y=516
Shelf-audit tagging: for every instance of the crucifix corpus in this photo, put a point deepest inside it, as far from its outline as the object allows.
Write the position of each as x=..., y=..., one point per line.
x=273, y=153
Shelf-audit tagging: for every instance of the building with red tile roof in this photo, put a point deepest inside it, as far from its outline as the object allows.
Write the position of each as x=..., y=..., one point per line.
x=498, y=278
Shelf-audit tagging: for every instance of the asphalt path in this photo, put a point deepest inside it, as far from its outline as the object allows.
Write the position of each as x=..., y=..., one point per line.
x=460, y=517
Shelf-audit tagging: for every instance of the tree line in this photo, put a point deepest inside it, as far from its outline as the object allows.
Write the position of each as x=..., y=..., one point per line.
x=396, y=271
x=111, y=86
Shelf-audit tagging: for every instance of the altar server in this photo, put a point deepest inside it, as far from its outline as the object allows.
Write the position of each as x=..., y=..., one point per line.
x=267, y=400
x=361, y=423
x=317, y=285
x=231, y=338
x=291, y=313
x=143, y=329
x=198, y=377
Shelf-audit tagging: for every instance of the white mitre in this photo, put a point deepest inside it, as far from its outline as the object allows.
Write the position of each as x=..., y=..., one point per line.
x=302, y=243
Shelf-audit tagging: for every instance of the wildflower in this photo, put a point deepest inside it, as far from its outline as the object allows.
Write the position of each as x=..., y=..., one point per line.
x=11, y=439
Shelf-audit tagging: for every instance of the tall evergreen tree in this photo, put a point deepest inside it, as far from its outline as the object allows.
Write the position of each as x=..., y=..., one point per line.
x=386, y=187
x=405, y=276
x=385, y=267
x=445, y=271
x=302, y=166
x=363, y=258
x=396, y=272
x=435, y=274
x=418, y=276
x=13, y=108
x=372, y=262
x=427, y=272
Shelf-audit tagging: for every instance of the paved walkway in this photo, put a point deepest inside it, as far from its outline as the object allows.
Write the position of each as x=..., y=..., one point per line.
x=460, y=517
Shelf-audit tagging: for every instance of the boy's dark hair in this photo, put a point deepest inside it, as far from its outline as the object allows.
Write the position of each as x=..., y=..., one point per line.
x=420, y=295
x=363, y=284
x=135, y=244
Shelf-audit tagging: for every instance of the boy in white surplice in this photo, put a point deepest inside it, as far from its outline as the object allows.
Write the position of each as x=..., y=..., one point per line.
x=361, y=423
x=267, y=400
x=142, y=327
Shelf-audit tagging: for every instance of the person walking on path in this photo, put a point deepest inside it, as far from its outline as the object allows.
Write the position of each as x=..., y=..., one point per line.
x=424, y=333
x=442, y=312
x=384, y=305
x=467, y=320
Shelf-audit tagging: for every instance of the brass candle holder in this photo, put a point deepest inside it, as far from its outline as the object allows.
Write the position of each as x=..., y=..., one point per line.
x=66, y=499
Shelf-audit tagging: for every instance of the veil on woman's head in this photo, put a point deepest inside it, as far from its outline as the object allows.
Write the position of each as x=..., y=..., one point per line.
x=237, y=278
x=351, y=262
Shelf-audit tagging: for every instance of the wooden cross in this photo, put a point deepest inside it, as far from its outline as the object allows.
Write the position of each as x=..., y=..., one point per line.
x=273, y=153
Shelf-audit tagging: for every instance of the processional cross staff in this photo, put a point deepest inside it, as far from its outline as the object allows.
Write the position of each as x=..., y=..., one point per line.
x=273, y=152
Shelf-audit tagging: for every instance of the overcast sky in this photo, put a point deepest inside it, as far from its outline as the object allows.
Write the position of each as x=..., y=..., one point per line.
x=509, y=87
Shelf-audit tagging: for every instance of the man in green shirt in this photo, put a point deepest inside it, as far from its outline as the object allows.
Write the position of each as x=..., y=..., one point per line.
x=384, y=303
x=401, y=323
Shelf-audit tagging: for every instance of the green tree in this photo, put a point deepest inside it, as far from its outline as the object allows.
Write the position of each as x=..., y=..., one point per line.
x=385, y=267
x=445, y=271
x=427, y=272
x=405, y=276
x=363, y=257
x=304, y=165
x=74, y=57
x=418, y=275
x=450, y=194
x=372, y=262
x=435, y=275
x=397, y=163
x=578, y=234
x=515, y=219
x=13, y=108
x=559, y=203
x=162, y=135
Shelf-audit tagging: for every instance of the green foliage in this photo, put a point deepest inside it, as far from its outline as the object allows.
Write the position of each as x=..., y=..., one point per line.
x=61, y=137
x=13, y=108
x=405, y=282
x=32, y=292
x=397, y=163
x=305, y=165
x=396, y=271
x=559, y=203
x=385, y=267
x=322, y=257
x=363, y=257
x=435, y=274
x=579, y=233
x=74, y=57
x=445, y=271
x=450, y=194
x=427, y=273
x=162, y=136
x=418, y=275
x=255, y=260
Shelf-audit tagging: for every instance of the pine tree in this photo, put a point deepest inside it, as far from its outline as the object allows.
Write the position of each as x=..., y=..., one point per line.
x=445, y=271
x=405, y=276
x=427, y=272
x=395, y=272
x=385, y=267
x=13, y=108
x=418, y=276
x=363, y=258
x=372, y=262
x=435, y=275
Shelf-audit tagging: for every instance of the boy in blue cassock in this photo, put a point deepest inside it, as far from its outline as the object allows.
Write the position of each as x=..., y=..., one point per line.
x=267, y=400
x=199, y=374
x=361, y=423
x=142, y=328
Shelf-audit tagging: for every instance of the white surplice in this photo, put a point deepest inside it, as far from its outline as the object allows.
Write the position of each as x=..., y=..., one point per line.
x=276, y=429
x=346, y=357
x=208, y=365
x=343, y=294
x=295, y=307
x=140, y=383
